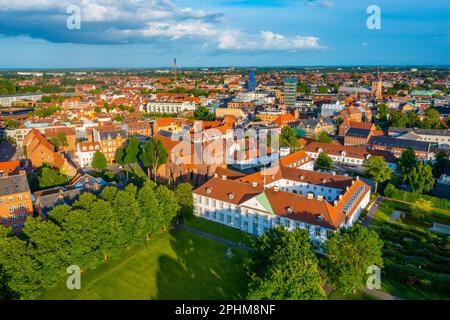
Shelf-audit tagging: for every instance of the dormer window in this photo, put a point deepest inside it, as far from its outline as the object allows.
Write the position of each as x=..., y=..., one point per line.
x=208, y=190
x=289, y=210
x=231, y=196
x=319, y=218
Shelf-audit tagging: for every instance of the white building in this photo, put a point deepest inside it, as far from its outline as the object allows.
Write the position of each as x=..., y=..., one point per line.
x=317, y=202
x=169, y=107
x=85, y=153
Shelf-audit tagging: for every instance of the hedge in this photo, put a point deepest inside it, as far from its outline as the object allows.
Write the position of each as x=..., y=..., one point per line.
x=425, y=279
x=393, y=193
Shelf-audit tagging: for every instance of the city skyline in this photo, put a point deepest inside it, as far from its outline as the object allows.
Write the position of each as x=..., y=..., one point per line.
x=144, y=34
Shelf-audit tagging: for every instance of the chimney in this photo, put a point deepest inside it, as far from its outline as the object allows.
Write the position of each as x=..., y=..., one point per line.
x=357, y=177
x=340, y=197
x=347, y=188
x=335, y=202
x=216, y=175
x=310, y=195
x=224, y=177
x=353, y=182
x=254, y=184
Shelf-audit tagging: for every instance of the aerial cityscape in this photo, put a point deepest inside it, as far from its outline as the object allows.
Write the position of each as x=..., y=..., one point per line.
x=164, y=150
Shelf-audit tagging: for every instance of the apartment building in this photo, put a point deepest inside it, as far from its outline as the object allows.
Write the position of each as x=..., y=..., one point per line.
x=110, y=139
x=15, y=200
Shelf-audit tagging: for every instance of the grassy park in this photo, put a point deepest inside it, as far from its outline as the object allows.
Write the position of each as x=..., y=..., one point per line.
x=175, y=265
x=416, y=258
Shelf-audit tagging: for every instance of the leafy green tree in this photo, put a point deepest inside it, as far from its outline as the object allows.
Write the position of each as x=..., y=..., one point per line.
x=80, y=234
x=183, y=193
x=11, y=123
x=377, y=169
x=47, y=248
x=324, y=161
x=440, y=164
x=153, y=156
x=431, y=119
x=99, y=161
x=18, y=266
x=49, y=177
x=349, y=252
x=398, y=119
x=288, y=137
x=109, y=193
x=107, y=226
x=202, y=113
x=284, y=266
x=120, y=156
x=406, y=162
x=60, y=140
x=149, y=206
x=322, y=137
x=129, y=214
x=383, y=112
x=412, y=119
x=421, y=178
x=132, y=151
x=167, y=204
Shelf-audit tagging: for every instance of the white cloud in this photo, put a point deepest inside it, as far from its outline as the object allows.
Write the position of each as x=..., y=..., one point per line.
x=125, y=21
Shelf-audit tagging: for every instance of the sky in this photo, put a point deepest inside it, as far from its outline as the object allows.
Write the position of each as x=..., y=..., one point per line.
x=219, y=33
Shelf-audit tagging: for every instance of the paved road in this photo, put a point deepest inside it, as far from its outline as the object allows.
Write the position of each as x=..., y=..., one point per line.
x=227, y=242
x=371, y=214
x=380, y=294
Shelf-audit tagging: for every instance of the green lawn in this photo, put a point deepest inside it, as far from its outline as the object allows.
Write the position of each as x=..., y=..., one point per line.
x=175, y=265
x=219, y=230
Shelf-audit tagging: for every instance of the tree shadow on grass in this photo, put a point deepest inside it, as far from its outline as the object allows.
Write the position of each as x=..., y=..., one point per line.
x=200, y=270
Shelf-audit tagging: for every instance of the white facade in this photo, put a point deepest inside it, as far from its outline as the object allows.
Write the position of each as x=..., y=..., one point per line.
x=169, y=107
x=85, y=153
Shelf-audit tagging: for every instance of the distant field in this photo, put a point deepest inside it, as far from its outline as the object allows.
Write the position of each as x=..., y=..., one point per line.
x=176, y=265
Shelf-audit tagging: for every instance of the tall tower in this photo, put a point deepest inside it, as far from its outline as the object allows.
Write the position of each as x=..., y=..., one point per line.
x=377, y=87
x=290, y=92
x=175, y=69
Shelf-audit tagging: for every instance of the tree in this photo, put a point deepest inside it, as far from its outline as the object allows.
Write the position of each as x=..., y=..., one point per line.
x=324, y=161
x=120, y=156
x=421, y=178
x=47, y=248
x=153, y=155
x=99, y=161
x=398, y=119
x=149, y=206
x=167, y=204
x=431, y=119
x=202, y=113
x=349, y=252
x=11, y=123
x=383, y=112
x=132, y=151
x=420, y=207
x=288, y=137
x=284, y=266
x=440, y=164
x=127, y=209
x=322, y=137
x=377, y=169
x=183, y=193
x=60, y=140
x=49, y=177
x=407, y=161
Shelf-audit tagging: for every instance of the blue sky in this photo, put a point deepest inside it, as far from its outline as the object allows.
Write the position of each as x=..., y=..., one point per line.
x=150, y=33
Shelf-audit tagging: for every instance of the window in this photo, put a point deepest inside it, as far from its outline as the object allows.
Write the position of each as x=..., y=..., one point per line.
x=10, y=199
